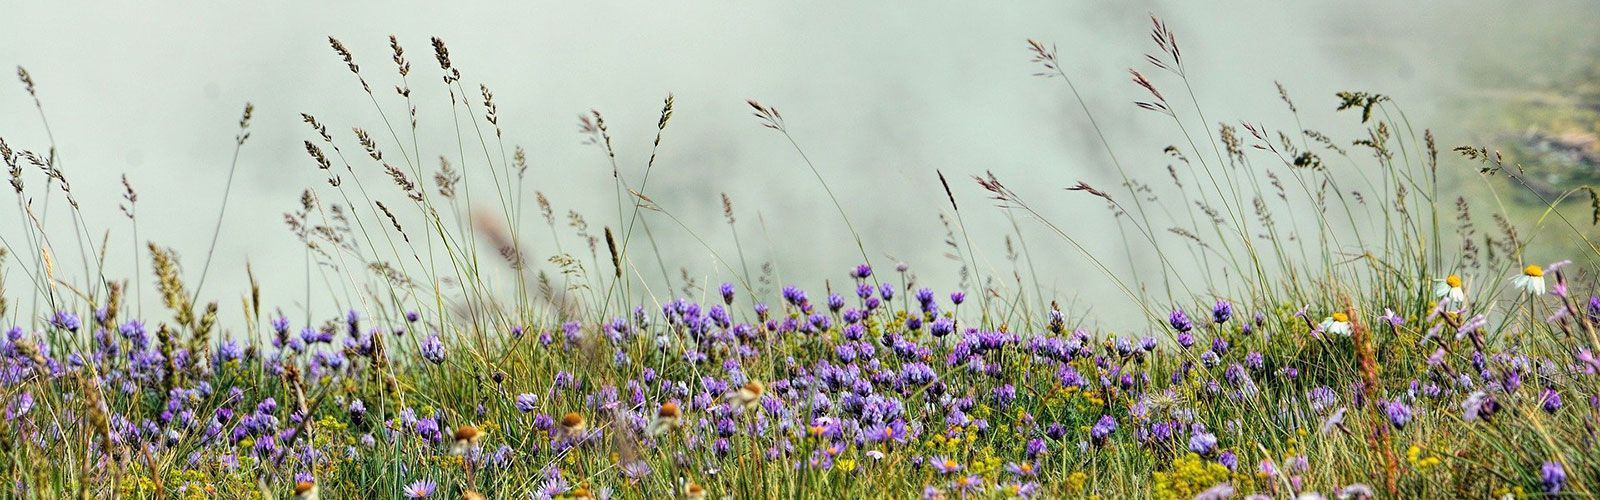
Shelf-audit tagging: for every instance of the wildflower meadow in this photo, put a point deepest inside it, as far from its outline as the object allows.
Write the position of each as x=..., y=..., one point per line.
x=1311, y=316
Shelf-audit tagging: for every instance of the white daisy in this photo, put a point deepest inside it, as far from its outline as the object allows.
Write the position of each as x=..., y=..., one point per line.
x=666, y=419
x=1338, y=324
x=1449, y=290
x=747, y=396
x=1531, y=280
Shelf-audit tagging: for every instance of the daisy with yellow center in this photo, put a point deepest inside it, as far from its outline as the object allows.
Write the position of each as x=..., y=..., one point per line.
x=1449, y=290
x=1337, y=323
x=305, y=490
x=748, y=395
x=572, y=424
x=666, y=419
x=467, y=438
x=694, y=492
x=1531, y=280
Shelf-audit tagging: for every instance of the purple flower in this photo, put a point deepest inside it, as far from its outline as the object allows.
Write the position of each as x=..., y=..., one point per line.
x=862, y=271
x=1103, y=429
x=835, y=302
x=727, y=293
x=66, y=320
x=1478, y=405
x=1229, y=460
x=793, y=295
x=1550, y=400
x=1203, y=442
x=526, y=402
x=21, y=406
x=1399, y=414
x=1035, y=447
x=945, y=465
x=1392, y=318
x=1553, y=476
x=1221, y=491
x=1180, y=321
x=433, y=349
x=1221, y=311
x=421, y=489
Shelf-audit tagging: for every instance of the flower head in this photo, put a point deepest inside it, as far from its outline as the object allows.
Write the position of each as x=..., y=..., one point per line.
x=526, y=402
x=945, y=465
x=1449, y=290
x=1221, y=311
x=1531, y=280
x=667, y=418
x=1337, y=323
x=305, y=490
x=433, y=349
x=1103, y=429
x=572, y=423
x=421, y=489
x=466, y=438
x=748, y=395
x=1180, y=321
x=1553, y=476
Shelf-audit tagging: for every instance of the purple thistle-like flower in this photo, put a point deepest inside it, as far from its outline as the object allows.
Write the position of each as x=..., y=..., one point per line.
x=793, y=295
x=433, y=349
x=1202, y=442
x=1553, y=476
x=1399, y=414
x=957, y=297
x=862, y=271
x=1228, y=459
x=526, y=402
x=357, y=409
x=1221, y=491
x=1221, y=311
x=1321, y=398
x=727, y=293
x=20, y=407
x=1103, y=429
x=835, y=302
x=1478, y=405
x=1180, y=321
x=1550, y=400
x=66, y=320
x=1035, y=448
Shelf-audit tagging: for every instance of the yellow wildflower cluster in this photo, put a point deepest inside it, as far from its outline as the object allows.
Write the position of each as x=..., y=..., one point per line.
x=1077, y=481
x=1190, y=475
x=1418, y=460
x=986, y=464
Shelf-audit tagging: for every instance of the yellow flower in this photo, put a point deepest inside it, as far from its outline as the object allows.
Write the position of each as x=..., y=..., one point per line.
x=1077, y=481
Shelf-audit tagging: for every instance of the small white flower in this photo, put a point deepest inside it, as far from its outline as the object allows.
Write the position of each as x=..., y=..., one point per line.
x=1531, y=280
x=1449, y=290
x=1337, y=324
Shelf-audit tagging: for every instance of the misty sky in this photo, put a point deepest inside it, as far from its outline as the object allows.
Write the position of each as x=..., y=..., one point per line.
x=879, y=96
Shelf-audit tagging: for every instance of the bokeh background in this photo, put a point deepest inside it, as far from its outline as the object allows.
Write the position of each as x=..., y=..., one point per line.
x=881, y=96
